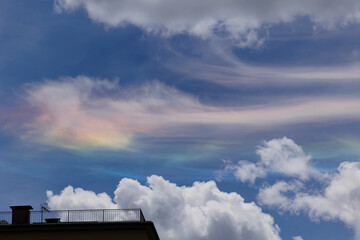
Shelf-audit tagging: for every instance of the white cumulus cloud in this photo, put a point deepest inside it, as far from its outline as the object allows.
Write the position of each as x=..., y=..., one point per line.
x=275, y=195
x=200, y=211
x=246, y=171
x=339, y=200
x=239, y=19
x=283, y=155
x=79, y=199
x=280, y=155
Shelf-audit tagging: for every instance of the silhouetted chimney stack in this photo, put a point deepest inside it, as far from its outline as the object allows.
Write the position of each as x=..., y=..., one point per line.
x=21, y=214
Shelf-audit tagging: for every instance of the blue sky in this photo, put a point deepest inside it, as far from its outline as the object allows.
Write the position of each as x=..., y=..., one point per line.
x=259, y=97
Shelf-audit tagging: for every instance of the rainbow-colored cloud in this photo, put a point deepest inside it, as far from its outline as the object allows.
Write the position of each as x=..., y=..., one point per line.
x=85, y=112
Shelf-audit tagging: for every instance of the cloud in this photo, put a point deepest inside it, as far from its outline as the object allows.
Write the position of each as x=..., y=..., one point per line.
x=298, y=238
x=87, y=112
x=200, y=211
x=280, y=155
x=246, y=171
x=91, y=113
x=283, y=155
x=79, y=198
x=222, y=67
x=339, y=200
x=238, y=20
x=275, y=195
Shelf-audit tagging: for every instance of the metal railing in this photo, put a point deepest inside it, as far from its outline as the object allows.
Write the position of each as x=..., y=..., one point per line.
x=94, y=215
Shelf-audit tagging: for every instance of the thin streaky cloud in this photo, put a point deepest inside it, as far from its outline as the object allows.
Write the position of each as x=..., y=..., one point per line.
x=75, y=112
x=229, y=70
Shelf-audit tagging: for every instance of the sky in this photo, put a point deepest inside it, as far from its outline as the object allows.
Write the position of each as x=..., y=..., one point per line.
x=236, y=119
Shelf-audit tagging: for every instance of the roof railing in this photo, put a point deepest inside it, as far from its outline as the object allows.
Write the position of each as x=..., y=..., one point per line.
x=67, y=216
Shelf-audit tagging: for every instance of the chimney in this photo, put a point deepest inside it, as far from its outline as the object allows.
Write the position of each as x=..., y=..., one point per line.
x=21, y=214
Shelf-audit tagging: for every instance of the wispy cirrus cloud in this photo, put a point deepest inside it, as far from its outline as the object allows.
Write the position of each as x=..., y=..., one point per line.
x=86, y=112
x=222, y=67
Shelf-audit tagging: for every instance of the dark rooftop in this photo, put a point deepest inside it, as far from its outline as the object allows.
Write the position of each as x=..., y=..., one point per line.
x=23, y=223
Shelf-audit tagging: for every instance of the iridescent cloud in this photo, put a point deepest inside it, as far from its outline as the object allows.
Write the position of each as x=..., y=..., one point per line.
x=85, y=112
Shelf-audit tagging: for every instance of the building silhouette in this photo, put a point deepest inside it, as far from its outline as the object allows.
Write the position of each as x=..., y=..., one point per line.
x=99, y=224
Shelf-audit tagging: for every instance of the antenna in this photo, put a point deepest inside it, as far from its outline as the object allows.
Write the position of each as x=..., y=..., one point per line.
x=43, y=207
